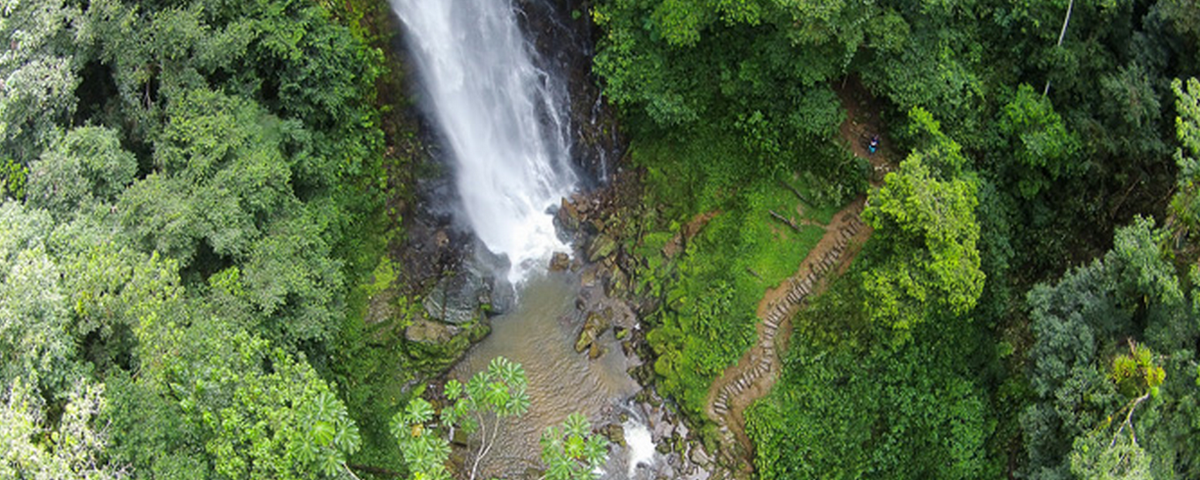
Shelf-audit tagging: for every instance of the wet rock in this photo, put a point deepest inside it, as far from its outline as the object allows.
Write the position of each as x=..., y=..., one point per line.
x=596, y=351
x=681, y=430
x=560, y=262
x=432, y=346
x=621, y=333
x=568, y=216
x=595, y=326
x=618, y=284
x=460, y=437
x=601, y=247
x=588, y=277
x=615, y=433
x=458, y=298
x=643, y=374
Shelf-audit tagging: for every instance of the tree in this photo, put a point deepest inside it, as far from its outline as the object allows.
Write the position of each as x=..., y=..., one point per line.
x=35, y=342
x=86, y=165
x=572, y=451
x=424, y=450
x=924, y=217
x=491, y=395
x=1122, y=306
x=1043, y=148
x=1185, y=206
x=73, y=448
x=252, y=412
x=37, y=75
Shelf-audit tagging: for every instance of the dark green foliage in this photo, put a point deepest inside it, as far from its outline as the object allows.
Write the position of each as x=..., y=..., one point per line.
x=187, y=171
x=846, y=407
x=1081, y=325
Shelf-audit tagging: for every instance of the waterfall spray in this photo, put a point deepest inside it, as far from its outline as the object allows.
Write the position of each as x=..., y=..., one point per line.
x=503, y=119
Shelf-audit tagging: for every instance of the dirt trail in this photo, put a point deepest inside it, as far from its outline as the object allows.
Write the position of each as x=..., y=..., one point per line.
x=755, y=373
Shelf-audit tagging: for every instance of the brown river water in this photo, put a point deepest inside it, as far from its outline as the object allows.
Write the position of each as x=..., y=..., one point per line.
x=539, y=333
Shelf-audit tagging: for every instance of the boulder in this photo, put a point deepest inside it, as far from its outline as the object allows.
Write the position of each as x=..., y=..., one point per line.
x=568, y=216
x=560, y=262
x=601, y=247
x=425, y=331
x=458, y=298
x=615, y=433
x=618, y=284
x=595, y=326
x=433, y=346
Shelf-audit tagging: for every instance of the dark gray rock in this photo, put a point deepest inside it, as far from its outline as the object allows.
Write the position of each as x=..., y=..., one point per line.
x=458, y=298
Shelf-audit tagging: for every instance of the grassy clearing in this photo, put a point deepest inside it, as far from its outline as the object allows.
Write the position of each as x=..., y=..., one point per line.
x=711, y=291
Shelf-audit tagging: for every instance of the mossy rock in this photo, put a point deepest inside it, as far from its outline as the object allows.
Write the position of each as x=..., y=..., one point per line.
x=602, y=246
x=433, y=346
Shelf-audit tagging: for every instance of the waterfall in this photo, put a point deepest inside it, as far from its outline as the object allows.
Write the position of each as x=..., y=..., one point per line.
x=501, y=116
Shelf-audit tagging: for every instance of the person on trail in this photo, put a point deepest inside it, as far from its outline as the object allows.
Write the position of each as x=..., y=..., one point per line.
x=874, y=144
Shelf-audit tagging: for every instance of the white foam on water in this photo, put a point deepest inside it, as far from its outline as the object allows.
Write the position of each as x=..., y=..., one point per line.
x=504, y=120
x=640, y=445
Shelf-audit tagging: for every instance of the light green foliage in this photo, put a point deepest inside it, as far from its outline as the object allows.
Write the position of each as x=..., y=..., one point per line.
x=84, y=166
x=572, y=451
x=253, y=412
x=225, y=184
x=35, y=343
x=1099, y=457
x=710, y=294
x=72, y=448
x=37, y=74
x=924, y=218
x=1186, y=204
x=487, y=398
x=188, y=171
x=221, y=170
x=425, y=451
x=13, y=177
x=1137, y=374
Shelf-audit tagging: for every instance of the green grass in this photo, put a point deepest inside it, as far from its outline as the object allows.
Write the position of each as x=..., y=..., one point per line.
x=710, y=293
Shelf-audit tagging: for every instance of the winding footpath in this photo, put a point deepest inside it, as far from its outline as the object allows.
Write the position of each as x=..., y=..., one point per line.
x=754, y=374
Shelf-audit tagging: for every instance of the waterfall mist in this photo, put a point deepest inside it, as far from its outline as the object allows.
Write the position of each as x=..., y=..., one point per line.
x=502, y=118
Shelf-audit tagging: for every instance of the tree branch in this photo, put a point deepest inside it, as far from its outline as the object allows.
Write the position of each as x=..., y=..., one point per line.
x=783, y=219
x=795, y=192
x=1061, y=36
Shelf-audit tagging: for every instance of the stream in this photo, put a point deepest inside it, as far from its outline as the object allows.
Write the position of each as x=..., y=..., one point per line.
x=503, y=119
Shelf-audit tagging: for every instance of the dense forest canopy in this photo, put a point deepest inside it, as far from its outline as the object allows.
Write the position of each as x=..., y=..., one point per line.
x=1026, y=302
x=180, y=177
x=197, y=198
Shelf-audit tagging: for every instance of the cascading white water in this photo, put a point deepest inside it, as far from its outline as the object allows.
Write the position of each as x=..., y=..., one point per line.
x=502, y=118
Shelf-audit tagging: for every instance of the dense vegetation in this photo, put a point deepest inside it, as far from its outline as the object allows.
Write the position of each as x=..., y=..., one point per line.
x=1025, y=306
x=182, y=180
x=195, y=207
